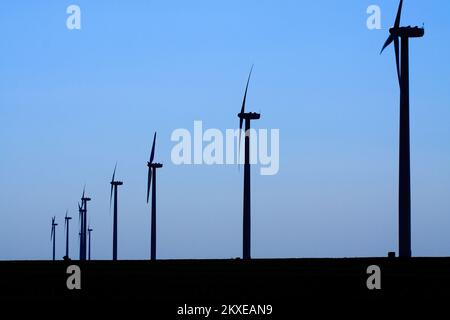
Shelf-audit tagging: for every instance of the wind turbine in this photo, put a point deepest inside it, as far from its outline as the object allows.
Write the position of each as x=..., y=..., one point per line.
x=248, y=117
x=84, y=201
x=398, y=33
x=66, y=229
x=114, y=185
x=89, y=232
x=53, y=236
x=152, y=178
x=80, y=223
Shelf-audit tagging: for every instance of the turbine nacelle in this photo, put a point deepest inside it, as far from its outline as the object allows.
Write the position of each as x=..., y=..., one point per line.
x=154, y=165
x=116, y=183
x=249, y=115
x=407, y=32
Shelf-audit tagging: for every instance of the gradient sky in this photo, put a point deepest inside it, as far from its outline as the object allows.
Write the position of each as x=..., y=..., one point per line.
x=72, y=103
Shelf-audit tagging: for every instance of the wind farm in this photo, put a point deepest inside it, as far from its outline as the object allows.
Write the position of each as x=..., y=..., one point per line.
x=356, y=210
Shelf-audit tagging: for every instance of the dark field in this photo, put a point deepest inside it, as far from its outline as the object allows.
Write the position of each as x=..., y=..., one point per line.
x=285, y=284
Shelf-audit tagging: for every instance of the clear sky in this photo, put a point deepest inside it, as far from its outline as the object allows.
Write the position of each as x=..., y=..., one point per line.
x=73, y=102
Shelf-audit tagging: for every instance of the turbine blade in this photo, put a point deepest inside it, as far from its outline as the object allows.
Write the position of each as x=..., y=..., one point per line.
x=152, y=154
x=241, y=120
x=387, y=43
x=80, y=213
x=112, y=186
x=245, y=94
x=240, y=138
x=110, y=197
x=114, y=173
x=52, y=234
x=149, y=181
x=84, y=189
x=397, y=59
x=399, y=15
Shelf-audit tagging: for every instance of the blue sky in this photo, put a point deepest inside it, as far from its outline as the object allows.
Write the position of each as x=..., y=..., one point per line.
x=73, y=102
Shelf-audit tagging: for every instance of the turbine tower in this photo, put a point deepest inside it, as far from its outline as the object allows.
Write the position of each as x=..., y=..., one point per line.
x=84, y=202
x=114, y=185
x=66, y=229
x=248, y=117
x=152, y=179
x=89, y=232
x=398, y=33
x=53, y=236
x=80, y=224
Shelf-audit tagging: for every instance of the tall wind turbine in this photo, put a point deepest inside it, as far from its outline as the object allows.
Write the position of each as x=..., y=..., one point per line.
x=114, y=185
x=398, y=33
x=53, y=236
x=89, y=233
x=248, y=117
x=84, y=202
x=66, y=229
x=80, y=224
x=152, y=179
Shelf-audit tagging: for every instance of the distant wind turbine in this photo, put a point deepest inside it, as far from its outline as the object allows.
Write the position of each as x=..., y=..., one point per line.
x=114, y=185
x=80, y=224
x=89, y=232
x=84, y=201
x=66, y=229
x=402, y=64
x=152, y=179
x=53, y=236
x=246, y=241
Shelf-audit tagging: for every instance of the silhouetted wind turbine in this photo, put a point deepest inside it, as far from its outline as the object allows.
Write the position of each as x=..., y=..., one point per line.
x=402, y=63
x=246, y=241
x=53, y=236
x=84, y=201
x=89, y=232
x=66, y=229
x=80, y=224
x=114, y=185
x=152, y=178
